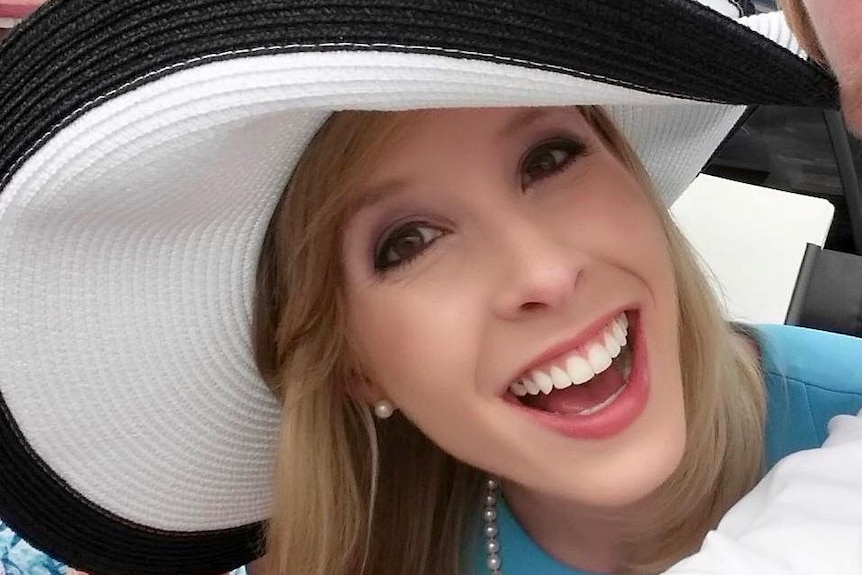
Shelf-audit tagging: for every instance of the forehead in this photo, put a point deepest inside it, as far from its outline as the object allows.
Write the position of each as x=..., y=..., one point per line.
x=419, y=143
x=445, y=130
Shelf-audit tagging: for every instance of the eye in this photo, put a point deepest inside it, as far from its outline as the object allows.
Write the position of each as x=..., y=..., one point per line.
x=404, y=244
x=548, y=158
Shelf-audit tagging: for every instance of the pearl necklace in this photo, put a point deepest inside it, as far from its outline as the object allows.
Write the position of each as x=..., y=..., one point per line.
x=489, y=514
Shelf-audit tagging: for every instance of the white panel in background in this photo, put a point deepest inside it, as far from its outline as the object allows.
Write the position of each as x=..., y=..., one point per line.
x=752, y=240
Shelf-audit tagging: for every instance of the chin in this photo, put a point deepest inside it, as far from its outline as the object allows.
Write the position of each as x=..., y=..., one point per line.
x=614, y=476
x=638, y=478
x=641, y=462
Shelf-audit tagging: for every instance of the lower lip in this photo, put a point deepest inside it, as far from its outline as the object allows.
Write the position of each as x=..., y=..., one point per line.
x=19, y=9
x=612, y=419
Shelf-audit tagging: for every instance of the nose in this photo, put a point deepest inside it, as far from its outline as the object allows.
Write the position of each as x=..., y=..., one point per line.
x=537, y=268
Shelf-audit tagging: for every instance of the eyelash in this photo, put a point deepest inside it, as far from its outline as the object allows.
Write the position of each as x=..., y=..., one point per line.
x=382, y=266
x=575, y=149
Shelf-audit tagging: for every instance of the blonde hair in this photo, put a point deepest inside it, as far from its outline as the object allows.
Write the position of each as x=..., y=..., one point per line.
x=354, y=498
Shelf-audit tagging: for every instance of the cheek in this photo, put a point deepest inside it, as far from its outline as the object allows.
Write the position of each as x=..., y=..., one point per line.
x=417, y=344
x=838, y=25
x=627, y=231
x=619, y=225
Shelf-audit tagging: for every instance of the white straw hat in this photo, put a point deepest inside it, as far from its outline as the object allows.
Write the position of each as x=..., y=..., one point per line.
x=143, y=147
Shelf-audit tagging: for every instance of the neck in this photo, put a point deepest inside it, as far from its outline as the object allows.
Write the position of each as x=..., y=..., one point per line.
x=582, y=537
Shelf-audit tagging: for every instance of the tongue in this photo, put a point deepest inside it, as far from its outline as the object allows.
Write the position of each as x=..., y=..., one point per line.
x=577, y=398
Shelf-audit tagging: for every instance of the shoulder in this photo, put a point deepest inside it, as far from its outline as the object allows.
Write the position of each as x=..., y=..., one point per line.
x=810, y=377
x=815, y=358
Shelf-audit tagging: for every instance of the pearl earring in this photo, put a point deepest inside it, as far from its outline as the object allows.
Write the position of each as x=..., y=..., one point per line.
x=383, y=409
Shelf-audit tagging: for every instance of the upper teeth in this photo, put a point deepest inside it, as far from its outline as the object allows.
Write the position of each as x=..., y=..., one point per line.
x=580, y=366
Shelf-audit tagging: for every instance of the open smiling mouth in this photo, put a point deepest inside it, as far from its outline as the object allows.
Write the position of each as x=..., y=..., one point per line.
x=594, y=391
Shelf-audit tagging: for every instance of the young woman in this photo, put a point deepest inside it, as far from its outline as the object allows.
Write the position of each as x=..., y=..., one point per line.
x=508, y=280
x=230, y=243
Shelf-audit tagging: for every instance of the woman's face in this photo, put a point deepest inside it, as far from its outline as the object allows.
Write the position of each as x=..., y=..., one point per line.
x=497, y=255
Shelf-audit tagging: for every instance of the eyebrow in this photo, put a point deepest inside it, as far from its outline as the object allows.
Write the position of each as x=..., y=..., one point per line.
x=522, y=120
x=376, y=194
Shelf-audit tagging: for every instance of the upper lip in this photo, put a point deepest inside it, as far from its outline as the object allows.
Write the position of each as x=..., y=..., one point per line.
x=568, y=345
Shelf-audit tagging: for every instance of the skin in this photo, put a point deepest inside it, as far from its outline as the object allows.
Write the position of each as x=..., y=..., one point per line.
x=16, y=9
x=509, y=271
x=838, y=26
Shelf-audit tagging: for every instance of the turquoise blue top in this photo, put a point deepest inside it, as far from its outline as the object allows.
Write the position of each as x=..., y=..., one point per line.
x=810, y=377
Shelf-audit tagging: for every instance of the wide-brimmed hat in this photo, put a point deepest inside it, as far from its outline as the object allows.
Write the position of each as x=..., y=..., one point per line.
x=143, y=148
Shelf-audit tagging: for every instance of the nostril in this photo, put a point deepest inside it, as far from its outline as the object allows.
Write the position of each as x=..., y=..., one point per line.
x=535, y=286
x=532, y=306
